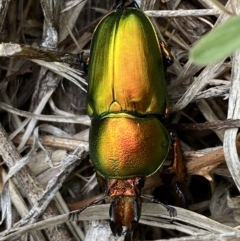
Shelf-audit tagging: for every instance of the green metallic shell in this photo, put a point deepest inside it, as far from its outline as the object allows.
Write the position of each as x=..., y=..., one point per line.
x=126, y=70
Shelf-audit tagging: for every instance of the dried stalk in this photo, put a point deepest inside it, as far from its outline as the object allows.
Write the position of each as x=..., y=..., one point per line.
x=32, y=190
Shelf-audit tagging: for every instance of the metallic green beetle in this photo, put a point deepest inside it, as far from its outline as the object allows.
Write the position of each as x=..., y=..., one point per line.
x=126, y=92
x=126, y=97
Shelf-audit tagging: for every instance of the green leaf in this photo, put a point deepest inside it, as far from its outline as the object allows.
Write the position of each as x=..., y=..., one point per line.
x=217, y=44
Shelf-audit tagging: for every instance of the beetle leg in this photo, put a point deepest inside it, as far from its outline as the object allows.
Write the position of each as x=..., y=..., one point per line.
x=83, y=63
x=166, y=55
x=166, y=111
x=172, y=211
x=73, y=216
x=177, y=166
x=176, y=173
x=181, y=195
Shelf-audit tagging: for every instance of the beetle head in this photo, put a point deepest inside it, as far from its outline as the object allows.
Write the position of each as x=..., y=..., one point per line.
x=125, y=207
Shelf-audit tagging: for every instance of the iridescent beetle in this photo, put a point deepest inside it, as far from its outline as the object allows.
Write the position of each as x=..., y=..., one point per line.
x=127, y=98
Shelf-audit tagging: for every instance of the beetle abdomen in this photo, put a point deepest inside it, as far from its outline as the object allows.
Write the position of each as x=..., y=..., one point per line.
x=127, y=146
x=126, y=71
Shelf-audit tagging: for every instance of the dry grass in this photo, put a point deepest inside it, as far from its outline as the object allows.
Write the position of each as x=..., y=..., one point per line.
x=42, y=108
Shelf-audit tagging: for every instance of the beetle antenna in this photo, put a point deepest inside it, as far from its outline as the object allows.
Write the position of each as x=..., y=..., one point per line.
x=172, y=211
x=83, y=63
x=74, y=214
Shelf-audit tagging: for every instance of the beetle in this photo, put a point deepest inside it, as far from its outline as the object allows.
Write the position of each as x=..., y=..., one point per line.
x=127, y=101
